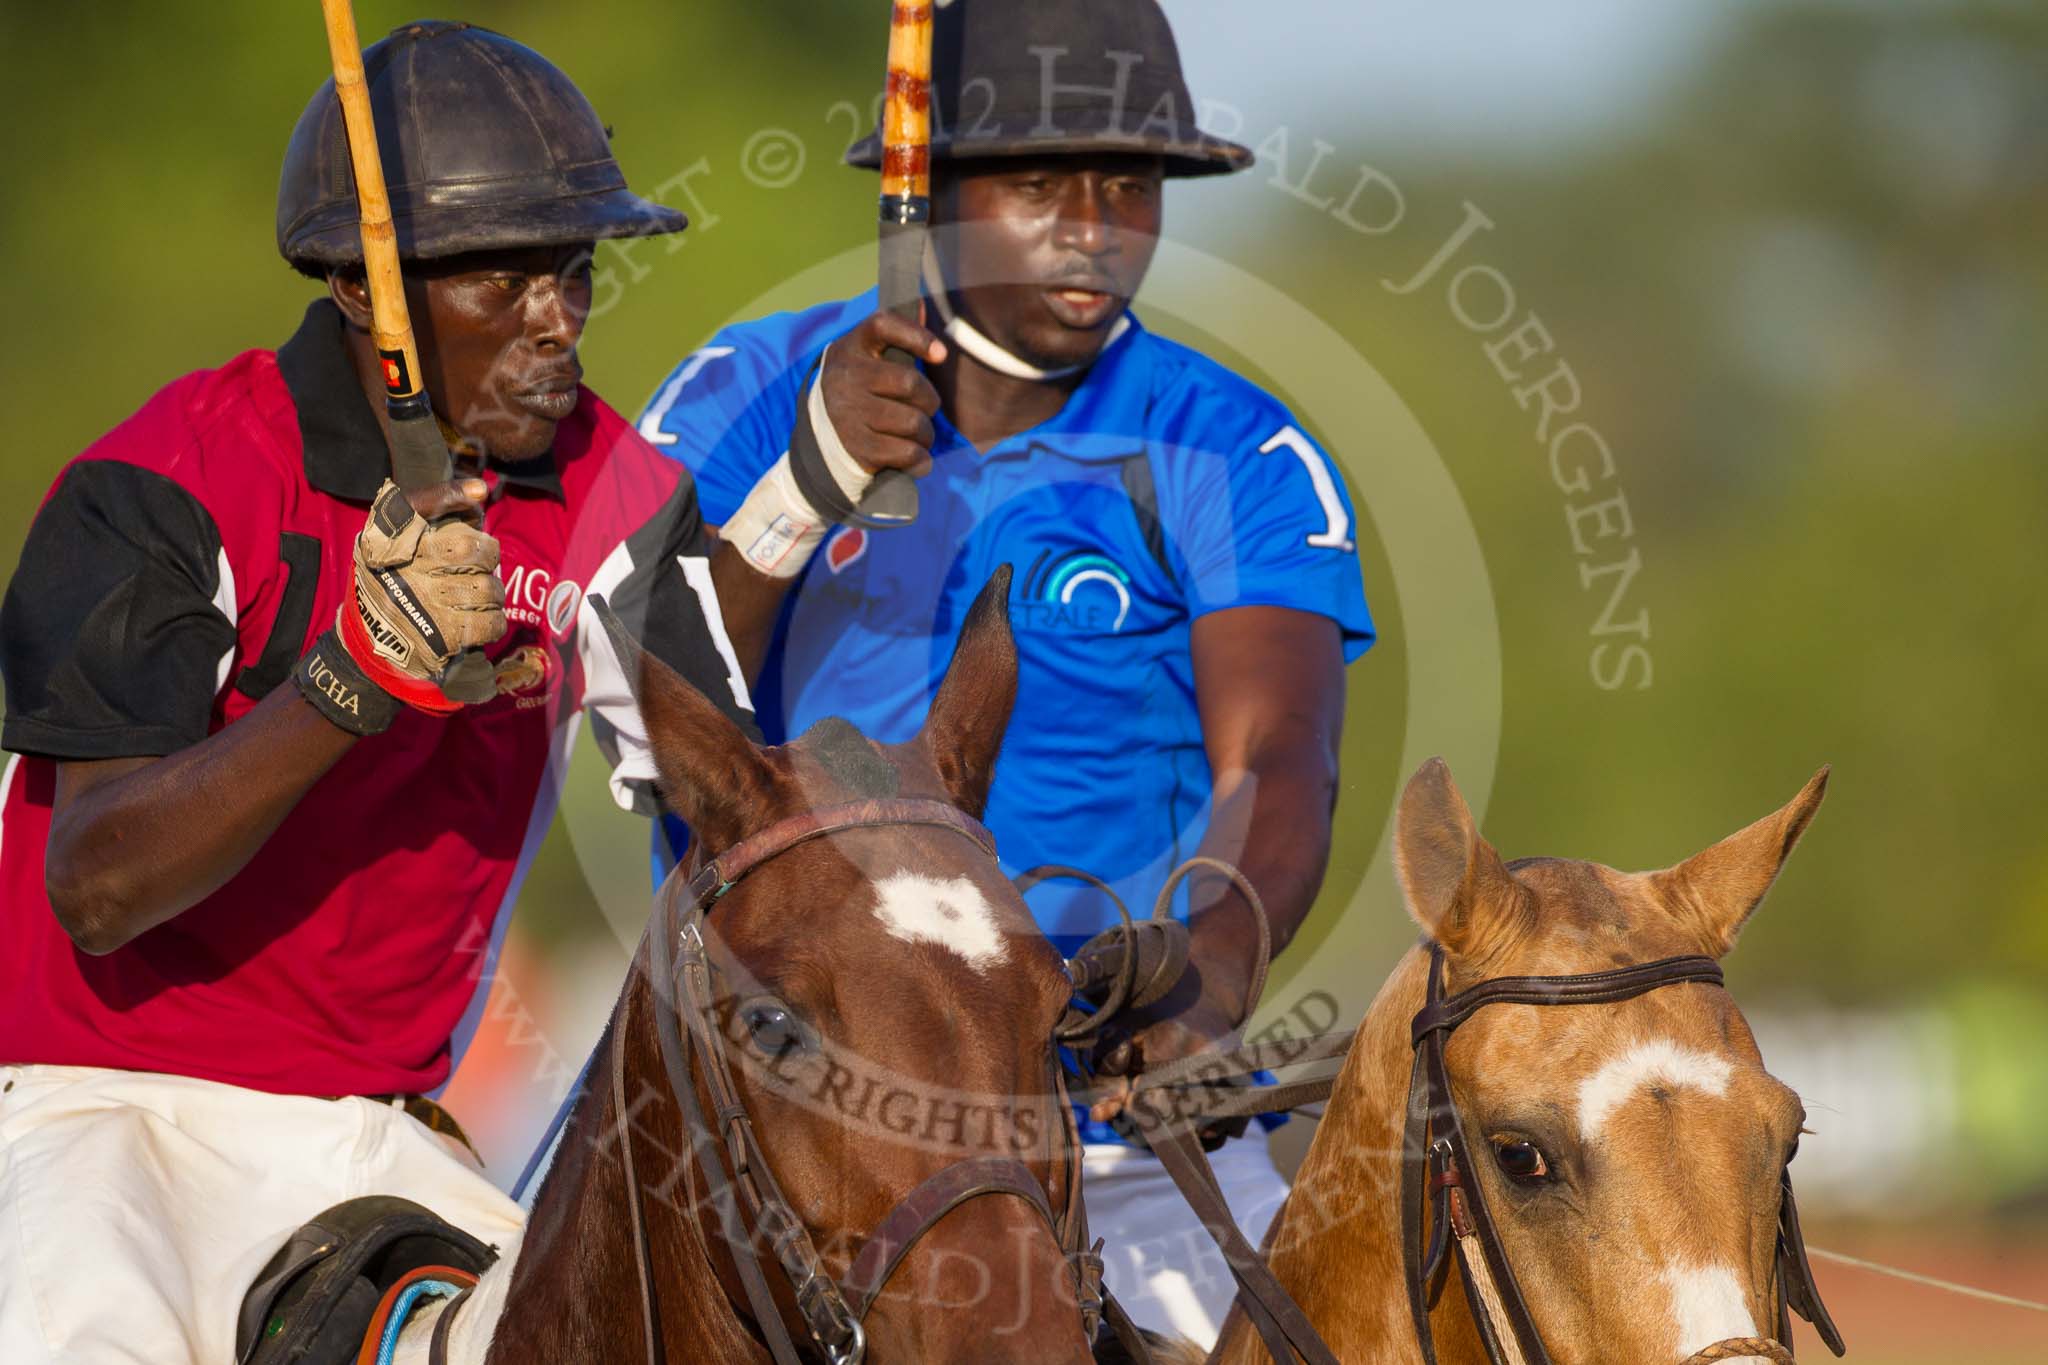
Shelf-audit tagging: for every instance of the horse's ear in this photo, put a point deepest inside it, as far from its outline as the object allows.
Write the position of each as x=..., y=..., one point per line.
x=1720, y=887
x=711, y=774
x=1456, y=886
x=964, y=729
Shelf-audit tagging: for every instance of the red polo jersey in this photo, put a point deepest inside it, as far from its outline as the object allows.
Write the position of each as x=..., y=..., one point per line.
x=176, y=571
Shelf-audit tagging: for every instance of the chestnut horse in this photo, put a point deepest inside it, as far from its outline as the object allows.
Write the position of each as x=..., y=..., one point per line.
x=1631, y=1154
x=885, y=1004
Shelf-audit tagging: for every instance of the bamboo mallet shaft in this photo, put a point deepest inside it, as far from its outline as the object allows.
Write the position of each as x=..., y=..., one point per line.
x=419, y=455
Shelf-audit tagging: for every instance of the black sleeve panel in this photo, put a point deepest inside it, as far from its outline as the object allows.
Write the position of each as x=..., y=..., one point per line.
x=675, y=622
x=110, y=642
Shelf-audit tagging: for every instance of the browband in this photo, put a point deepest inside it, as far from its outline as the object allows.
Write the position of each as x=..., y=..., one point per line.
x=1593, y=988
x=718, y=874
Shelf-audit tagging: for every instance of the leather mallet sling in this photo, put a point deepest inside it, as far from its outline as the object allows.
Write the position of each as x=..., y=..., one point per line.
x=419, y=454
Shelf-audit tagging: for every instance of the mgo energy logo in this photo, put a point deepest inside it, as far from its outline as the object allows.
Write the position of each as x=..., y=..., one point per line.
x=1083, y=590
x=534, y=597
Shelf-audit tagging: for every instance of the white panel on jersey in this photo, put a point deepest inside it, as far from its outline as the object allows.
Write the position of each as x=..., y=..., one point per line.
x=7, y=786
x=697, y=570
x=607, y=692
x=224, y=603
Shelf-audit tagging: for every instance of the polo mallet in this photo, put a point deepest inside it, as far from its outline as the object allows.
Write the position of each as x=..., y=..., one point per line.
x=906, y=211
x=419, y=454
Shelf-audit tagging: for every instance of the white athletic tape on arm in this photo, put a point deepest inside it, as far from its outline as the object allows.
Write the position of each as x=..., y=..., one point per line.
x=850, y=474
x=776, y=528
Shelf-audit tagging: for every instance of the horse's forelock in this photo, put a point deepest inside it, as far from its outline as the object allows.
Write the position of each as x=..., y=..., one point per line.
x=849, y=758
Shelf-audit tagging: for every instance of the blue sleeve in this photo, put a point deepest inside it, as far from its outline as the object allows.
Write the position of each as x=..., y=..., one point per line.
x=726, y=412
x=1260, y=517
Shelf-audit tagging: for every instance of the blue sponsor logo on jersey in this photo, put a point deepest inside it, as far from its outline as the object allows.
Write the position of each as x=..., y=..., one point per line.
x=1083, y=590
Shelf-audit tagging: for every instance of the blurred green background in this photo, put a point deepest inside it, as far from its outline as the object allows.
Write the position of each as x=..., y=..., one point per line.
x=1793, y=254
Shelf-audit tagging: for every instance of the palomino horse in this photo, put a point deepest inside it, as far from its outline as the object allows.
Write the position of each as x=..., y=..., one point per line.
x=1631, y=1152
x=866, y=992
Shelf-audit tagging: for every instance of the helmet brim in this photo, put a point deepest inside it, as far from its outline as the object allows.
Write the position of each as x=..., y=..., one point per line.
x=334, y=238
x=1187, y=151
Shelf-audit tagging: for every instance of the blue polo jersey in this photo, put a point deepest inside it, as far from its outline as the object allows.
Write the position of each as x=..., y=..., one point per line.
x=1166, y=488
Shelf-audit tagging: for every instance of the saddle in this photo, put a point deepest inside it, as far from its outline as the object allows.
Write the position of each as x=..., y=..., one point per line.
x=315, y=1300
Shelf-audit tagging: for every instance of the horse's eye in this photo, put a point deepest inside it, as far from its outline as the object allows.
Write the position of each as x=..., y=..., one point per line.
x=772, y=1029
x=1522, y=1161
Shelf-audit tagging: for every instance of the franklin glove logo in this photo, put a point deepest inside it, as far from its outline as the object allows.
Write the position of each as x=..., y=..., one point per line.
x=387, y=641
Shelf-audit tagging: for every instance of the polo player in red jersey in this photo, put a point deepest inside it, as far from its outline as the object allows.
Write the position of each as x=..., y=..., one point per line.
x=253, y=867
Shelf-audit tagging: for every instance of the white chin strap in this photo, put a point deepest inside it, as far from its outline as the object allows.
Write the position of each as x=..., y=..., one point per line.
x=972, y=340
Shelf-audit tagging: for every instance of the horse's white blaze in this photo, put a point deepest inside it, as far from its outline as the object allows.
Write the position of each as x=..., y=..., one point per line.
x=952, y=914
x=1707, y=1305
x=1657, y=1062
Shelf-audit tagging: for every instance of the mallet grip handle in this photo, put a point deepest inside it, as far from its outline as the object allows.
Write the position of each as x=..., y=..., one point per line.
x=891, y=499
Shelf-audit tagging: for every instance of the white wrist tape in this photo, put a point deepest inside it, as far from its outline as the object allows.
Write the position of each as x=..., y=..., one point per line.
x=850, y=474
x=775, y=529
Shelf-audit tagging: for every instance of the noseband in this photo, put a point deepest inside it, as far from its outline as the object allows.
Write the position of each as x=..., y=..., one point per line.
x=751, y=1207
x=1437, y=1169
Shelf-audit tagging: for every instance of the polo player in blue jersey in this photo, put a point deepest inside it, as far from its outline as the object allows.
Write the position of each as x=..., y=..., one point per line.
x=1186, y=592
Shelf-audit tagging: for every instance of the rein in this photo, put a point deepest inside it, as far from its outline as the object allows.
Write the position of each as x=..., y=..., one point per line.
x=752, y=1210
x=1133, y=964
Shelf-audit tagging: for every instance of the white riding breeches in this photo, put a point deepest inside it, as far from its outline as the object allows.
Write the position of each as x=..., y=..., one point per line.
x=135, y=1209
x=1158, y=1259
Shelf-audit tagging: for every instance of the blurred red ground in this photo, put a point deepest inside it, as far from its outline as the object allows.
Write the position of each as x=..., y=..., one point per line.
x=1886, y=1320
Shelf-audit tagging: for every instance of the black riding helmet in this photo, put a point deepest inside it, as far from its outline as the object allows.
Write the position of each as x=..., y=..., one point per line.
x=1031, y=77
x=485, y=144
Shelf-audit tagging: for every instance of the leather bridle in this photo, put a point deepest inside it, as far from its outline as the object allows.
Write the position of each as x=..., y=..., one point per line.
x=1438, y=1170
x=751, y=1208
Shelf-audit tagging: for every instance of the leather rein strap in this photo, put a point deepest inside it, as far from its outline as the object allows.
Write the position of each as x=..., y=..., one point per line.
x=1169, y=1117
x=750, y=1207
x=1440, y=1181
